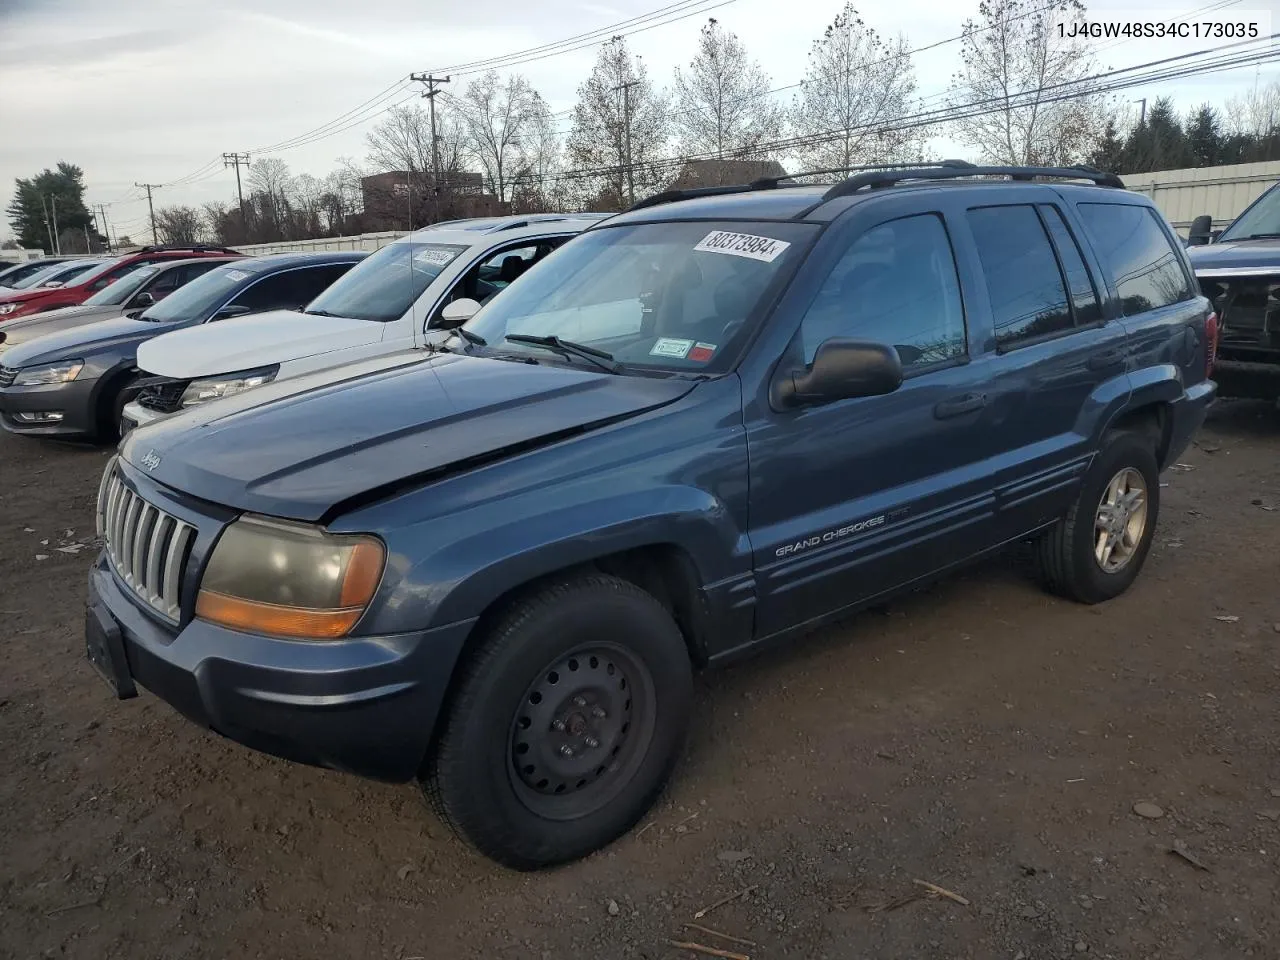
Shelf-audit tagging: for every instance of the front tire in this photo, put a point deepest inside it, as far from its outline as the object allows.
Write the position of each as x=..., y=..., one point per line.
x=1096, y=552
x=565, y=724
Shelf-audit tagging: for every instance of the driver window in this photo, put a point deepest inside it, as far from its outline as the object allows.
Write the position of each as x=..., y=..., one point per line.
x=897, y=284
x=496, y=272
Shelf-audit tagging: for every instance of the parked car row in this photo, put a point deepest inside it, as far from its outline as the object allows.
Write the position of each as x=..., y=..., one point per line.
x=475, y=513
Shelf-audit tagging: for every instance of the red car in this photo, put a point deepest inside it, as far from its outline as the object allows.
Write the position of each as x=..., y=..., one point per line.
x=23, y=303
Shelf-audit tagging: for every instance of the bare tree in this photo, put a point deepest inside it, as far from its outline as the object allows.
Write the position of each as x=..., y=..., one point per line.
x=1256, y=113
x=536, y=187
x=307, y=201
x=222, y=222
x=620, y=130
x=1013, y=65
x=179, y=224
x=402, y=141
x=497, y=116
x=721, y=103
x=856, y=88
x=269, y=181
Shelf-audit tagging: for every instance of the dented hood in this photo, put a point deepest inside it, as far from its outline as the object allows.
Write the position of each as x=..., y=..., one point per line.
x=300, y=448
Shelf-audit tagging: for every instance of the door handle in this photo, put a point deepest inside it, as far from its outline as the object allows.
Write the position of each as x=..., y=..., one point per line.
x=1107, y=358
x=959, y=406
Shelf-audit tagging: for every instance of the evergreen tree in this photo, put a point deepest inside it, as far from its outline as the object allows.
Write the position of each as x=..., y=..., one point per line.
x=47, y=204
x=1108, y=155
x=1204, y=137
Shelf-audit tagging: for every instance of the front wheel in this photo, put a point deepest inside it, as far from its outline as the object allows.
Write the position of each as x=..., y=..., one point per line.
x=1097, y=551
x=565, y=724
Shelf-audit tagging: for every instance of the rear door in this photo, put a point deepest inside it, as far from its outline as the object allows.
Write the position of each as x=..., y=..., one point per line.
x=1054, y=355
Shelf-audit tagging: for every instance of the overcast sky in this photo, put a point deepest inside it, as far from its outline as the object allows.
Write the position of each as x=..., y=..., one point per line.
x=151, y=90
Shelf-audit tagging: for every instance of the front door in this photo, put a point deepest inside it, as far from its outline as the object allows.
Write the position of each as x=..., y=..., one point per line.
x=852, y=498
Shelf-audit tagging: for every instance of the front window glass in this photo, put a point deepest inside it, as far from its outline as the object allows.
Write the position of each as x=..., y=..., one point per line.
x=674, y=295
x=60, y=271
x=1260, y=220
x=122, y=289
x=383, y=286
x=201, y=296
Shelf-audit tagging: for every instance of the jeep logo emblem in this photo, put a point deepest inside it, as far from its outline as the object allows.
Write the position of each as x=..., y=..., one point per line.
x=151, y=460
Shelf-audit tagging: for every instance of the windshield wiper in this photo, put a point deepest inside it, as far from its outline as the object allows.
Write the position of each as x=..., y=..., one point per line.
x=1259, y=236
x=567, y=347
x=320, y=313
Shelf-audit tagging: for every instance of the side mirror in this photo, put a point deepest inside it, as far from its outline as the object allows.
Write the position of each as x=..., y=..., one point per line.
x=1201, y=231
x=841, y=369
x=457, y=313
x=230, y=310
x=143, y=299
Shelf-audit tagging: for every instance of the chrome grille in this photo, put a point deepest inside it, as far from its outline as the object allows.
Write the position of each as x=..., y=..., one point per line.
x=148, y=548
x=8, y=375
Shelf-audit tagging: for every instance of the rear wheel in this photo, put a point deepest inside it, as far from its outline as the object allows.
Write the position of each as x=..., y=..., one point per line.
x=1098, y=549
x=565, y=725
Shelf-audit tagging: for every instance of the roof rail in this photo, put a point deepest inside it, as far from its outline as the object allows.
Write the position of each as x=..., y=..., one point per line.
x=193, y=247
x=772, y=183
x=952, y=170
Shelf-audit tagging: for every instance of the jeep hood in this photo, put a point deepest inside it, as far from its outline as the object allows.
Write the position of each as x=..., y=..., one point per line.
x=244, y=343
x=1249, y=256
x=300, y=448
x=28, y=328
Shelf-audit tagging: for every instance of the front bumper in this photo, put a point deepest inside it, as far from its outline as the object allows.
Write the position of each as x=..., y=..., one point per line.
x=1189, y=412
x=136, y=415
x=365, y=705
x=1248, y=379
x=20, y=408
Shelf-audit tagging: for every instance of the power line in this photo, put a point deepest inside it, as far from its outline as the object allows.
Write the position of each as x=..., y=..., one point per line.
x=326, y=129
x=1085, y=86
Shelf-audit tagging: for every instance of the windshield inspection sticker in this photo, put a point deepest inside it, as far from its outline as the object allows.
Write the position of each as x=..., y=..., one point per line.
x=235, y=275
x=702, y=352
x=666, y=347
x=742, y=245
x=436, y=258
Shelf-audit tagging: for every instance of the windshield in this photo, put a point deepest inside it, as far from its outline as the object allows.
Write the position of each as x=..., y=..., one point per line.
x=382, y=286
x=1262, y=218
x=117, y=293
x=200, y=297
x=59, y=271
x=659, y=295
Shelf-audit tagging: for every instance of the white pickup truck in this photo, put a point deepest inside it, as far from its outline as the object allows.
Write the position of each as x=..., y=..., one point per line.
x=385, y=305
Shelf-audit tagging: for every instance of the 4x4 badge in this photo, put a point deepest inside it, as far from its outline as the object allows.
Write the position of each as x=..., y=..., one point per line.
x=151, y=460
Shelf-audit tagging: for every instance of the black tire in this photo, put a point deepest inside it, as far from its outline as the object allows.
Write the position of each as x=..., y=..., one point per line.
x=1064, y=556
x=499, y=776
x=111, y=410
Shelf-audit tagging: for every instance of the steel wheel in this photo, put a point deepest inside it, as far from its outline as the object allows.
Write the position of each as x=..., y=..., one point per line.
x=580, y=731
x=1120, y=520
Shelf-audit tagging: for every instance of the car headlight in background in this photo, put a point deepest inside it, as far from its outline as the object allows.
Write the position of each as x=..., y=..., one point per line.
x=8, y=308
x=63, y=372
x=215, y=388
x=289, y=579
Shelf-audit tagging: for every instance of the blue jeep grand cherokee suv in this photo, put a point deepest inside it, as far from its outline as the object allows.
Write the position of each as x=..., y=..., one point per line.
x=708, y=424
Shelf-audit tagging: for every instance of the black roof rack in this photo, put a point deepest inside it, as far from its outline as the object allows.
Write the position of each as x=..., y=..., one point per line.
x=887, y=174
x=772, y=183
x=193, y=247
x=951, y=171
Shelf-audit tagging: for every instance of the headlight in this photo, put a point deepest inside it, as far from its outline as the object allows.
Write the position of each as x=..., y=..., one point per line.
x=215, y=388
x=63, y=372
x=8, y=308
x=289, y=579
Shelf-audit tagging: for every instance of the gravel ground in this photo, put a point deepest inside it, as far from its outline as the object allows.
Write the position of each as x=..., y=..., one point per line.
x=980, y=736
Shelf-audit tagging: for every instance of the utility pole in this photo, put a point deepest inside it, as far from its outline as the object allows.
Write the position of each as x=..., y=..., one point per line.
x=238, y=160
x=48, y=228
x=626, y=120
x=430, y=93
x=155, y=240
x=106, y=227
x=1142, y=117
x=57, y=237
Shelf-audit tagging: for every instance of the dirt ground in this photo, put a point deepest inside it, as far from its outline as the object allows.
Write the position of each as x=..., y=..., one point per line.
x=980, y=736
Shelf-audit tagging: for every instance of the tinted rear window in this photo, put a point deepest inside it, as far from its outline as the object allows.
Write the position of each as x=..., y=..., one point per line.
x=1131, y=244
